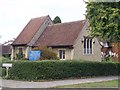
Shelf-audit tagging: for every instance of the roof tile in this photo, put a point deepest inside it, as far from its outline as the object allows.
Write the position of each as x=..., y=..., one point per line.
x=60, y=34
x=29, y=31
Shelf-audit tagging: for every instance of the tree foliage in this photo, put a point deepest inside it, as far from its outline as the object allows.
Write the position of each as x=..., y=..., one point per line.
x=57, y=20
x=104, y=20
x=46, y=53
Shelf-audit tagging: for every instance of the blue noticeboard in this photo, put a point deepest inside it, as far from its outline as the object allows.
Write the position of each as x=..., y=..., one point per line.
x=34, y=55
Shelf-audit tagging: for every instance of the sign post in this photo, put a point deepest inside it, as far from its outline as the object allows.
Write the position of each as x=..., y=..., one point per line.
x=7, y=66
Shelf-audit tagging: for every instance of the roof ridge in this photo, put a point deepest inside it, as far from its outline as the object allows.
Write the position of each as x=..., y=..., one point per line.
x=14, y=42
x=67, y=22
x=29, y=26
x=61, y=34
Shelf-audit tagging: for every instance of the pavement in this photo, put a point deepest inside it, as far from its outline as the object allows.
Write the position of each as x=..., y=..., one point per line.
x=49, y=84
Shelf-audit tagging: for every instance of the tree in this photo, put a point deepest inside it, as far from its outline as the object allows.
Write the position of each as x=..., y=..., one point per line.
x=57, y=20
x=46, y=53
x=104, y=20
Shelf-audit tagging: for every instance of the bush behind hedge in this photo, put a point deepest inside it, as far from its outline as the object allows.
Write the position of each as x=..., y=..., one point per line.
x=52, y=70
x=46, y=53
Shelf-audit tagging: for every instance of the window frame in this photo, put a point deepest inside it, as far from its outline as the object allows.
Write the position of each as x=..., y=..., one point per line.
x=20, y=49
x=88, y=46
x=62, y=54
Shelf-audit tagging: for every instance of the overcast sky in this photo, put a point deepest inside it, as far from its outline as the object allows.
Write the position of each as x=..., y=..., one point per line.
x=15, y=14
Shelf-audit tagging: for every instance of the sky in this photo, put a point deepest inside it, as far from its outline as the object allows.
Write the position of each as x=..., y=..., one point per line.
x=15, y=14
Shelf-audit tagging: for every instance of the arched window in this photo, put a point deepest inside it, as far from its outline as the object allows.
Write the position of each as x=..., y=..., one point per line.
x=88, y=45
x=85, y=46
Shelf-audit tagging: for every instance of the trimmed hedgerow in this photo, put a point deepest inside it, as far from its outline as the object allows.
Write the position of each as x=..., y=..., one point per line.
x=3, y=69
x=2, y=72
x=52, y=70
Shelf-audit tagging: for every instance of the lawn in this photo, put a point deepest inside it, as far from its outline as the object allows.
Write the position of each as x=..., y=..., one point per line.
x=105, y=84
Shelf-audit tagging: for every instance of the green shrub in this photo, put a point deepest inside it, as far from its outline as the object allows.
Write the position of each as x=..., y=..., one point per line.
x=20, y=56
x=3, y=69
x=47, y=54
x=2, y=72
x=52, y=70
x=7, y=56
x=3, y=59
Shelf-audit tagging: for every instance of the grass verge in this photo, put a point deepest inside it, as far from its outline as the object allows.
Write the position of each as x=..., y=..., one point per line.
x=104, y=84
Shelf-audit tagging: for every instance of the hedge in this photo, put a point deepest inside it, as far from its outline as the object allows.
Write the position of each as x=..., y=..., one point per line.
x=52, y=70
x=2, y=72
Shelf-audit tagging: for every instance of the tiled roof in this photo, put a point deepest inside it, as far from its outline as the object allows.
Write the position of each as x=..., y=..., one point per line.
x=61, y=34
x=29, y=31
x=6, y=49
